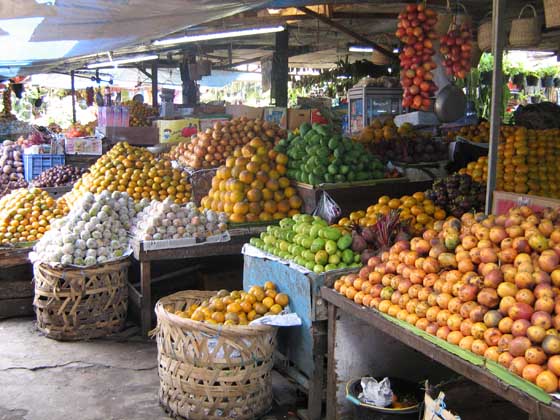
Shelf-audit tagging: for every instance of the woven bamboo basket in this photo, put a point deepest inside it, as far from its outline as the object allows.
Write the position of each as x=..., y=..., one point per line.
x=484, y=38
x=212, y=372
x=552, y=13
x=525, y=32
x=378, y=57
x=79, y=304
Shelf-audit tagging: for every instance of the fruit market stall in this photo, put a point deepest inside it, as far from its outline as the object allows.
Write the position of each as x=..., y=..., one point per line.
x=478, y=293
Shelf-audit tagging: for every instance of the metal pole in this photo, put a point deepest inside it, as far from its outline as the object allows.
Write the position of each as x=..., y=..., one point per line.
x=155, y=84
x=73, y=90
x=498, y=36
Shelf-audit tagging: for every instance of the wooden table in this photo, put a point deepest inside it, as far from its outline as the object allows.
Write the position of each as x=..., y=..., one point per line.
x=142, y=299
x=479, y=375
x=16, y=287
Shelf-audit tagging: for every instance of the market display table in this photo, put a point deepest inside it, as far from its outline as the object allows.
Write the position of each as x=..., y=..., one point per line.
x=16, y=287
x=478, y=374
x=142, y=299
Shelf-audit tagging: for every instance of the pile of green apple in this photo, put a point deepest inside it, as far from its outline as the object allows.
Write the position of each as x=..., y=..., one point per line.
x=310, y=242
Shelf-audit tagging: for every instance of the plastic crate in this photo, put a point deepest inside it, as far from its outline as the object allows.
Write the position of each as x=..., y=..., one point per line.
x=34, y=165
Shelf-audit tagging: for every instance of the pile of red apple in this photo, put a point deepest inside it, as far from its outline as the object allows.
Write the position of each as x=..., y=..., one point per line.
x=490, y=285
x=415, y=29
x=456, y=47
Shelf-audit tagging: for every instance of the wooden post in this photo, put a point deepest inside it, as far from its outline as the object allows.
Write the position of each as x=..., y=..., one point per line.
x=73, y=90
x=331, y=363
x=146, y=299
x=279, y=77
x=498, y=36
x=155, y=83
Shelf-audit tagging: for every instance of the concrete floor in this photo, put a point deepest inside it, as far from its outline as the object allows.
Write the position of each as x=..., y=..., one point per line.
x=104, y=379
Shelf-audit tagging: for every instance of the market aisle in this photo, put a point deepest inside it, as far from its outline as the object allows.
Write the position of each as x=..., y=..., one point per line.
x=44, y=379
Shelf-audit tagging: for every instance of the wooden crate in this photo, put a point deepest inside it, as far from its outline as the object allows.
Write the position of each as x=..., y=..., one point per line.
x=16, y=286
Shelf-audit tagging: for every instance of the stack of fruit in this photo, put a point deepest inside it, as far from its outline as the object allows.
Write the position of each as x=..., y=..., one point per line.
x=386, y=130
x=476, y=133
x=418, y=210
x=456, y=46
x=136, y=171
x=477, y=170
x=95, y=232
x=418, y=149
x=25, y=215
x=11, y=168
x=317, y=156
x=168, y=220
x=7, y=105
x=141, y=115
x=238, y=307
x=488, y=284
x=458, y=194
x=415, y=29
x=211, y=148
x=528, y=162
x=59, y=176
x=80, y=130
x=251, y=186
x=310, y=242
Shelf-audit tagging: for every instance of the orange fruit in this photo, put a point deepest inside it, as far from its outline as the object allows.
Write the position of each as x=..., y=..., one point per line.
x=241, y=208
x=282, y=299
x=268, y=302
x=269, y=285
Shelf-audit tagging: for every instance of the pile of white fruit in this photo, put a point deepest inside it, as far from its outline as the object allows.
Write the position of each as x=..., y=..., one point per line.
x=168, y=220
x=94, y=232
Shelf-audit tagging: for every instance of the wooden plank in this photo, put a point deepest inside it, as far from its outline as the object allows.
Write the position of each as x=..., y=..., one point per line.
x=10, y=257
x=331, y=363
x=470, y=371
x=134, y=296
x=16, y=289
x=146, y=299
x=16, y=307
x=316, y=383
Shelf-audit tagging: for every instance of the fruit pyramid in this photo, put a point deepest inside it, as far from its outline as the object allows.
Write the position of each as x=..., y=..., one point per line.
x=252, y=185
x=136, y=171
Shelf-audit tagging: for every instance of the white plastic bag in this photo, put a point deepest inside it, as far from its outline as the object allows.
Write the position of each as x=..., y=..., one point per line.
x=376, y=393
x=327, y=209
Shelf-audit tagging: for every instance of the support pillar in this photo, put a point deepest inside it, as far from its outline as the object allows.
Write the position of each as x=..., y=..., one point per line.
x=279, y=77
x=155, y=84
x=498, y=37
x=73, y=90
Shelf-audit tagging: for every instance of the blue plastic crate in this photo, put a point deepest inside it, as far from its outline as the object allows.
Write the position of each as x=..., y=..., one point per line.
x=34, y=165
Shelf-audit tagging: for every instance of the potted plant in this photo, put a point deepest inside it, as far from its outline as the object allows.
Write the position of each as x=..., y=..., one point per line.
x=557, y=82
x=516, y=72
x=532, y=79
x=547, y=76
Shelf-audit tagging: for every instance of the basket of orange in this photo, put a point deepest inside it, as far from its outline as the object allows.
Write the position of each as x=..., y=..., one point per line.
x=212, y=363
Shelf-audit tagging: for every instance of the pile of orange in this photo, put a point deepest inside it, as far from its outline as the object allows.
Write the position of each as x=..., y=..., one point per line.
x=420, y=211
x=478, y=170
x=476, y=133
x=25, y=215
x=252, y=185
x=134, y=170
x=238, y=307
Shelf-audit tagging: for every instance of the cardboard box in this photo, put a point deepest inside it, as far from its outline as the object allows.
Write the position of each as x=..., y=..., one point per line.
x=237, y=111
x=317, y=117
x=503, y=201
x=174, y=131
x=297, y=117
x=83, y=146
x=435, y=409
x=276, y=115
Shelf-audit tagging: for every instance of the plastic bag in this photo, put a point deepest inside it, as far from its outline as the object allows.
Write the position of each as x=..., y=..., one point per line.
x=376, y=393
x=327, y=209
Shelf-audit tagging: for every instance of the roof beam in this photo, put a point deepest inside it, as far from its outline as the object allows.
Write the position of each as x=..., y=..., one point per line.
x=348, y=32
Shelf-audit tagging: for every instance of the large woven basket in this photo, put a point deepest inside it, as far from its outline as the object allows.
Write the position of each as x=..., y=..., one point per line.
x=378, y=57
x=210, y=371
x=552, y=13
x=79, y=304
x=525, y=32
x=484, y=38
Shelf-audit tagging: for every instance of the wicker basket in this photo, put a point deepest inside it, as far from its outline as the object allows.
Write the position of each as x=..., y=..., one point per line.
x=484, y=38
x=525, y=32
x=552, y=13
x=379, y=58
x=79, y=304
x=210, y=371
